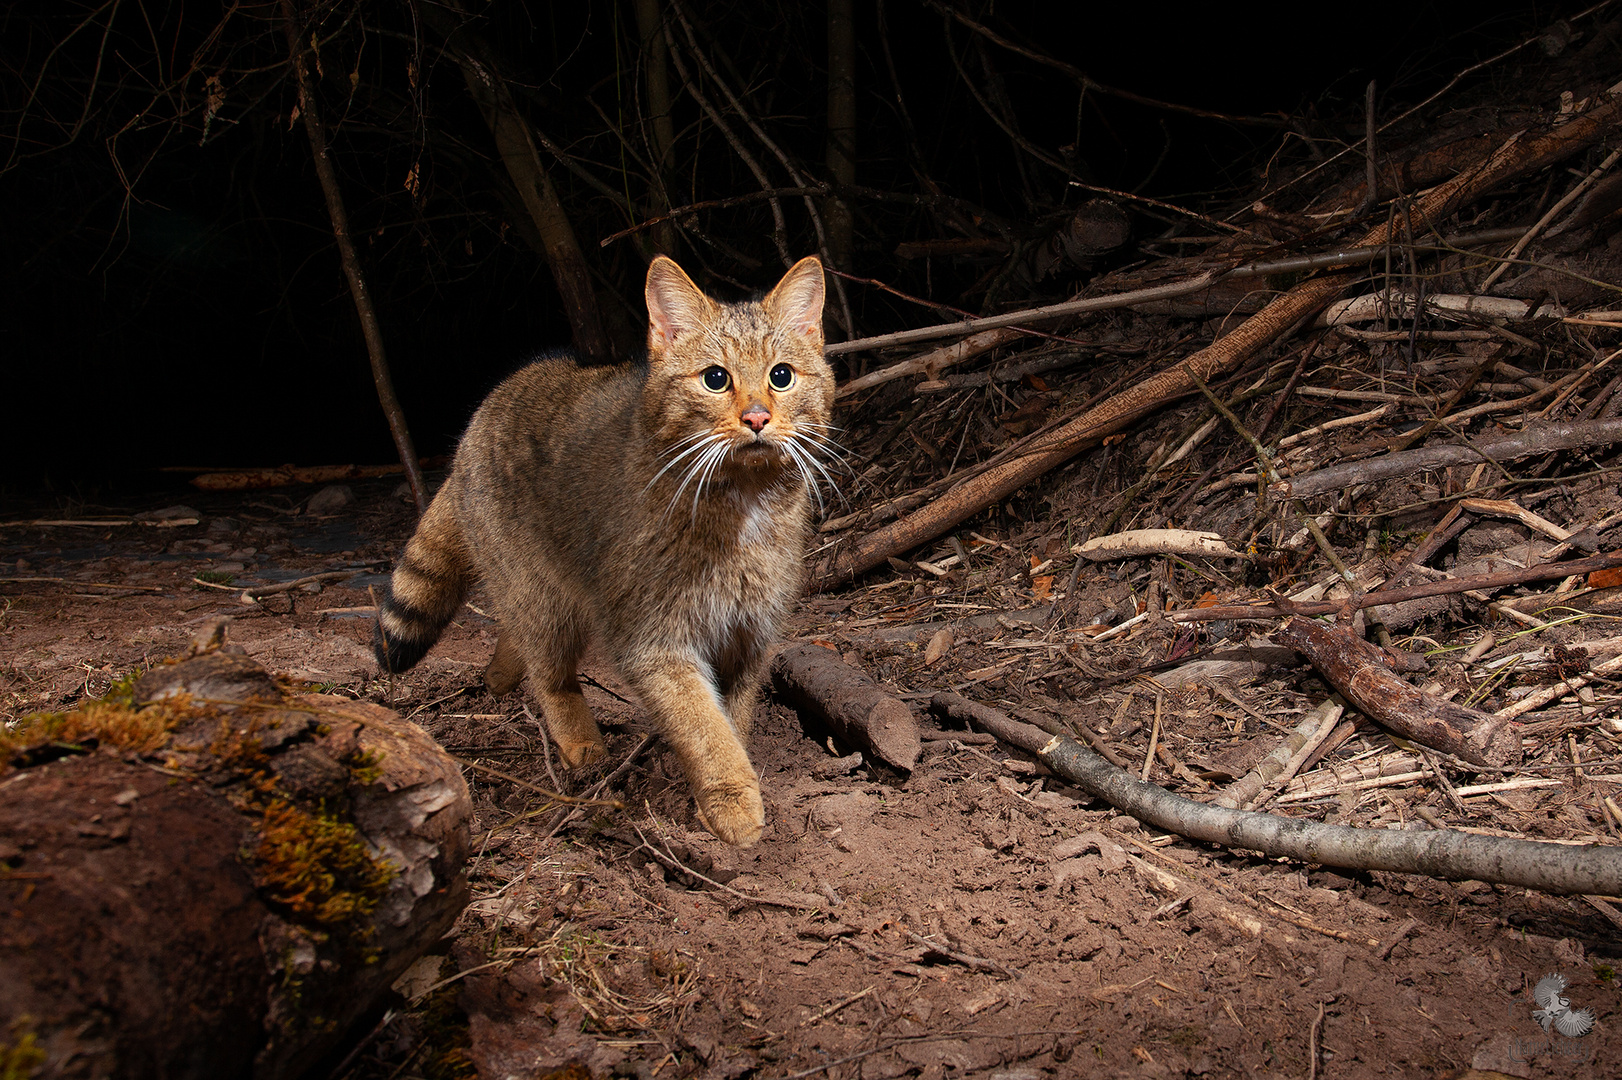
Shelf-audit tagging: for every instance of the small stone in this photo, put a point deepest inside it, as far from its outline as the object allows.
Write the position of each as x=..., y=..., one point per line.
x=330, y=499
x=127, y=796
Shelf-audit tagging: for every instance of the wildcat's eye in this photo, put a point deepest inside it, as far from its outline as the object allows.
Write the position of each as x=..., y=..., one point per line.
x=716, y=378
x=782, y=377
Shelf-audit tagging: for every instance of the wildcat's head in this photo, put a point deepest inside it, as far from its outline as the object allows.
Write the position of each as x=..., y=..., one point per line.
x=737, y=394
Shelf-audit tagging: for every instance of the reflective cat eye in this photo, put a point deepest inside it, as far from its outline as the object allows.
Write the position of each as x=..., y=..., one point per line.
x=716, y=378
x=782, y=377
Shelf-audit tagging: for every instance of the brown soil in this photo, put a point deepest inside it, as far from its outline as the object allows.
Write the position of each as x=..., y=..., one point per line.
x=976, y=918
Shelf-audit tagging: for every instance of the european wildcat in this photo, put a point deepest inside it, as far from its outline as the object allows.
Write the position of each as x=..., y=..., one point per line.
x=661, y=510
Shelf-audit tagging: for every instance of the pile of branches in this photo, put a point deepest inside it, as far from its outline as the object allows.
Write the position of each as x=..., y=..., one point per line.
x=1453, y=304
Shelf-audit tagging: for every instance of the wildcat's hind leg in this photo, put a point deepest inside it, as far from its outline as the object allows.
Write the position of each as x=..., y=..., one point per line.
x=506, y=668
x=550, y=654
x=689, y=713
x=739, y=677
x=563, y=705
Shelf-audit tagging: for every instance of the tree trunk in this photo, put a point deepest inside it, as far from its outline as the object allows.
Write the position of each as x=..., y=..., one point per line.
x=207, y=876
x=662, y=130
x=841, y=151
x=516, y=145
x=369, y=324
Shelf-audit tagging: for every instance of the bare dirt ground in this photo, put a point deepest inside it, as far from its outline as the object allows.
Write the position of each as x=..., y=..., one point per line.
x=974, y=918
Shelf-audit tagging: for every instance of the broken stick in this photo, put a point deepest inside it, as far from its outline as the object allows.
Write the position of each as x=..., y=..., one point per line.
x=858, y=710
x=1358, y=670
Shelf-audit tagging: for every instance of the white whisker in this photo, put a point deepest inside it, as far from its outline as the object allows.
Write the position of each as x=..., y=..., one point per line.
x=713, y=460
x=714, y=450
x=697, y=445
x=801, y=459
x=827, y=446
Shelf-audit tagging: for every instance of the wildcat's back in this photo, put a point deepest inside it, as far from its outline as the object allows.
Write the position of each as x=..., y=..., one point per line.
x=660, y=510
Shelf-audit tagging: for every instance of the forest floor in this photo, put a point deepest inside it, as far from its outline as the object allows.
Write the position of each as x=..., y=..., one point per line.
x=977, y=917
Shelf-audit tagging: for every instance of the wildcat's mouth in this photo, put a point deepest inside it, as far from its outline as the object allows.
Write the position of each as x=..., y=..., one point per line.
x=756, y=452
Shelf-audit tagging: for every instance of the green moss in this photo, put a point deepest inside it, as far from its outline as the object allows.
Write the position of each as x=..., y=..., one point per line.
x=214, y=577
x=316, y=865
x=20, y=1052
x=366, y=766
x=310, y=861
x=112, y=722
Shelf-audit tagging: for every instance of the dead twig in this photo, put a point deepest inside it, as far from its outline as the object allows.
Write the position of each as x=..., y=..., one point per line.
x=251, y=595
x=1281, y=764
x=973, y=963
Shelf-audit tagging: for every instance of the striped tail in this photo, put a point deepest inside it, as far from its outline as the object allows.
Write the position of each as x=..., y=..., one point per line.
x=428, y=586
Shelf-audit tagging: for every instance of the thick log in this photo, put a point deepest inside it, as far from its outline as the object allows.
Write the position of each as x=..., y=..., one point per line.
x=857, y=710
x=1358, y=670
x=210, y=874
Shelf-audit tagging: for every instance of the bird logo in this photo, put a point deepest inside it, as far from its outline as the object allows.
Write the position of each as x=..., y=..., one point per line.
x=1554, y=1011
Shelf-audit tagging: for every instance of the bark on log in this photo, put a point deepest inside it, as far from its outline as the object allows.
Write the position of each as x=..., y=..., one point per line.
x=1439, y=853
x=858, y=710
x=1520, y=154
x=209, y=874
x=1358, y=670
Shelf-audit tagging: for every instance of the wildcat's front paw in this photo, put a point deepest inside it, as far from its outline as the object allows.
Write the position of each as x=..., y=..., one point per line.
x=578, y=752
x=733, y=812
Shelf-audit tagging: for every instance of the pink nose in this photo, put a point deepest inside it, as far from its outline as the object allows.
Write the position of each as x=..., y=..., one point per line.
x=757, y=418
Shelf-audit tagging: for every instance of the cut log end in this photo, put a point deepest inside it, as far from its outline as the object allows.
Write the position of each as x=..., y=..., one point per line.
x=859, y=711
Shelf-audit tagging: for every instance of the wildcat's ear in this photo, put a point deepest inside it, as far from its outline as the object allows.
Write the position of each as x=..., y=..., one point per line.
x=797, y=300
x=675, y=304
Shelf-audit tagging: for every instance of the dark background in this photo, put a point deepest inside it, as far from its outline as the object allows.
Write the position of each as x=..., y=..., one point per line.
x=173, y=297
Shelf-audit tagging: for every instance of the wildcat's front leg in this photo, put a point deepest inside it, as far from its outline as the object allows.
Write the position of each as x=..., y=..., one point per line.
x=691, y=715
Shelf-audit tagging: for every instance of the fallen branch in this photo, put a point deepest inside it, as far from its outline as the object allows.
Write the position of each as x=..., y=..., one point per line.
x=1516, y=156
x=79, y=584
x=1447, y=854
x=1285, y=760
x=252, y=594
x=858, y=710
x=53, y=523
x=1372, y=307
x=1503, y=579
x=1171, y=290
x=930, y=362
x=1136, y=543
x=1542, y=439
x=288, y=475
x=1358, y=670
